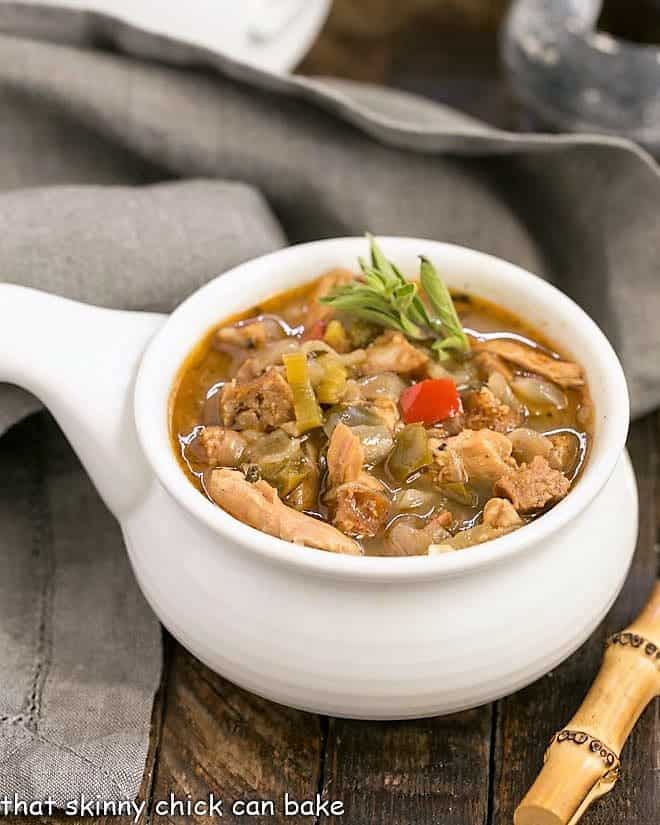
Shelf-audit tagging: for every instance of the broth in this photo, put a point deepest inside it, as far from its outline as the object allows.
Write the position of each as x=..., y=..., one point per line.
x=425, y=507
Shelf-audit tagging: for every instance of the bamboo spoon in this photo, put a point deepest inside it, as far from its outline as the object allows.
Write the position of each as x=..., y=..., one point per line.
x=582, y=760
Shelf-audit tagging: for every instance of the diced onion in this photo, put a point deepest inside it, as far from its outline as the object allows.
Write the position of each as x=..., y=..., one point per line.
x=269, y=354
x=352, y=415
x=315, y=345
x=536, y=392
x=376, y=441
x=500, y=388
x=387, y=384
x=463, y=373
x=411, y=498
x=528, y=443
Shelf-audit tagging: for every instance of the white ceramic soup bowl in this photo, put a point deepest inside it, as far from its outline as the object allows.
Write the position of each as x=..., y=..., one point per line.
x=351, y=636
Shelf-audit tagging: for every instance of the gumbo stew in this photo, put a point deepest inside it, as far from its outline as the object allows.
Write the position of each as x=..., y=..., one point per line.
x=365, y=413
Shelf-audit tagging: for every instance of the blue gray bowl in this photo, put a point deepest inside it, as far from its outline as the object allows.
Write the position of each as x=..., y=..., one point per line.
x=573, y=77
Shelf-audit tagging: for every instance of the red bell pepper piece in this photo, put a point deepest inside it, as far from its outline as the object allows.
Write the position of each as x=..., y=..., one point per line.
x=316, y=331
x=430, y=401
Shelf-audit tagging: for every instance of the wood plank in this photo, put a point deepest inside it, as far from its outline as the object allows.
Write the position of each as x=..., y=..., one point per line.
x=220, y=739
x=423, y=771
x=528, y=719
x=360, y=39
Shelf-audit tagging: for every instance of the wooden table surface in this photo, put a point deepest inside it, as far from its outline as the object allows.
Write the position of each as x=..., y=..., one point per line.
x=209, y=736
x=471, y=768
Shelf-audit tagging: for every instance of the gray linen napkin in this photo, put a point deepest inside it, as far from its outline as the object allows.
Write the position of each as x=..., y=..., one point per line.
x=336, y=157
x=80, y=650
x=330, y=158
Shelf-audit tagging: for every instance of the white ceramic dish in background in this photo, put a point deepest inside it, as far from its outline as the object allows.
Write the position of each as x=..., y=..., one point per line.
x=269, y=34
x=350, y=636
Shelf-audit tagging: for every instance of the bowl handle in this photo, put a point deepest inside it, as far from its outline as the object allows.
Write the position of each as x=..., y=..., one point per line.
x=81, y=362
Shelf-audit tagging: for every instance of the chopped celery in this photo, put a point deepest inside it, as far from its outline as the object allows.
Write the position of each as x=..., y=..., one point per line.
x=291, y=476
x=279, y=460
x=272, y=453
x=335, y=337
x=460, y=493
x=305, y=495
x=296, y=367
x=333, y=380
x=306, y=407
x=411, y=452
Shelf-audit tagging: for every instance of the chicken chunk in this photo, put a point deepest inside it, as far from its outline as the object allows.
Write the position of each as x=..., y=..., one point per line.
x=447, y=466
x=258, y=505
x=404, y=539
x=251, y=334
x=392, y=352
x=388, y=410
x=532, y=486
x=566, y=374
x=338, y=276
x=345, y=456
x=488, y=363
x=378, y=393
x=482, y=410
x=356, y=500
x=499, y=513
x=564, y=453
x=317, y=311
x=220, y=447
x=359, y=508
x=486, y=455
x=263, y=403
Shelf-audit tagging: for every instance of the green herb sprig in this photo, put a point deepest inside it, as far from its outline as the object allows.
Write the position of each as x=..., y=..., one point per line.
x=384, y=297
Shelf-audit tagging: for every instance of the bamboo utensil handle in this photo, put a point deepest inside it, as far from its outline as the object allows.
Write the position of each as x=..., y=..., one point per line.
x=582, y=760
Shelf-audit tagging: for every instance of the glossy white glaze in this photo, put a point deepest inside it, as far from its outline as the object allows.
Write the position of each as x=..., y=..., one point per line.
x=364, y=637
x=269, y=34
x=382, y=649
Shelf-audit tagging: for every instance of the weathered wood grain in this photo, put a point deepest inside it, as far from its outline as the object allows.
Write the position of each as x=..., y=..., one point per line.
x=528, y=719
x=443, y=50
x=422, y=772
x=219, y=739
